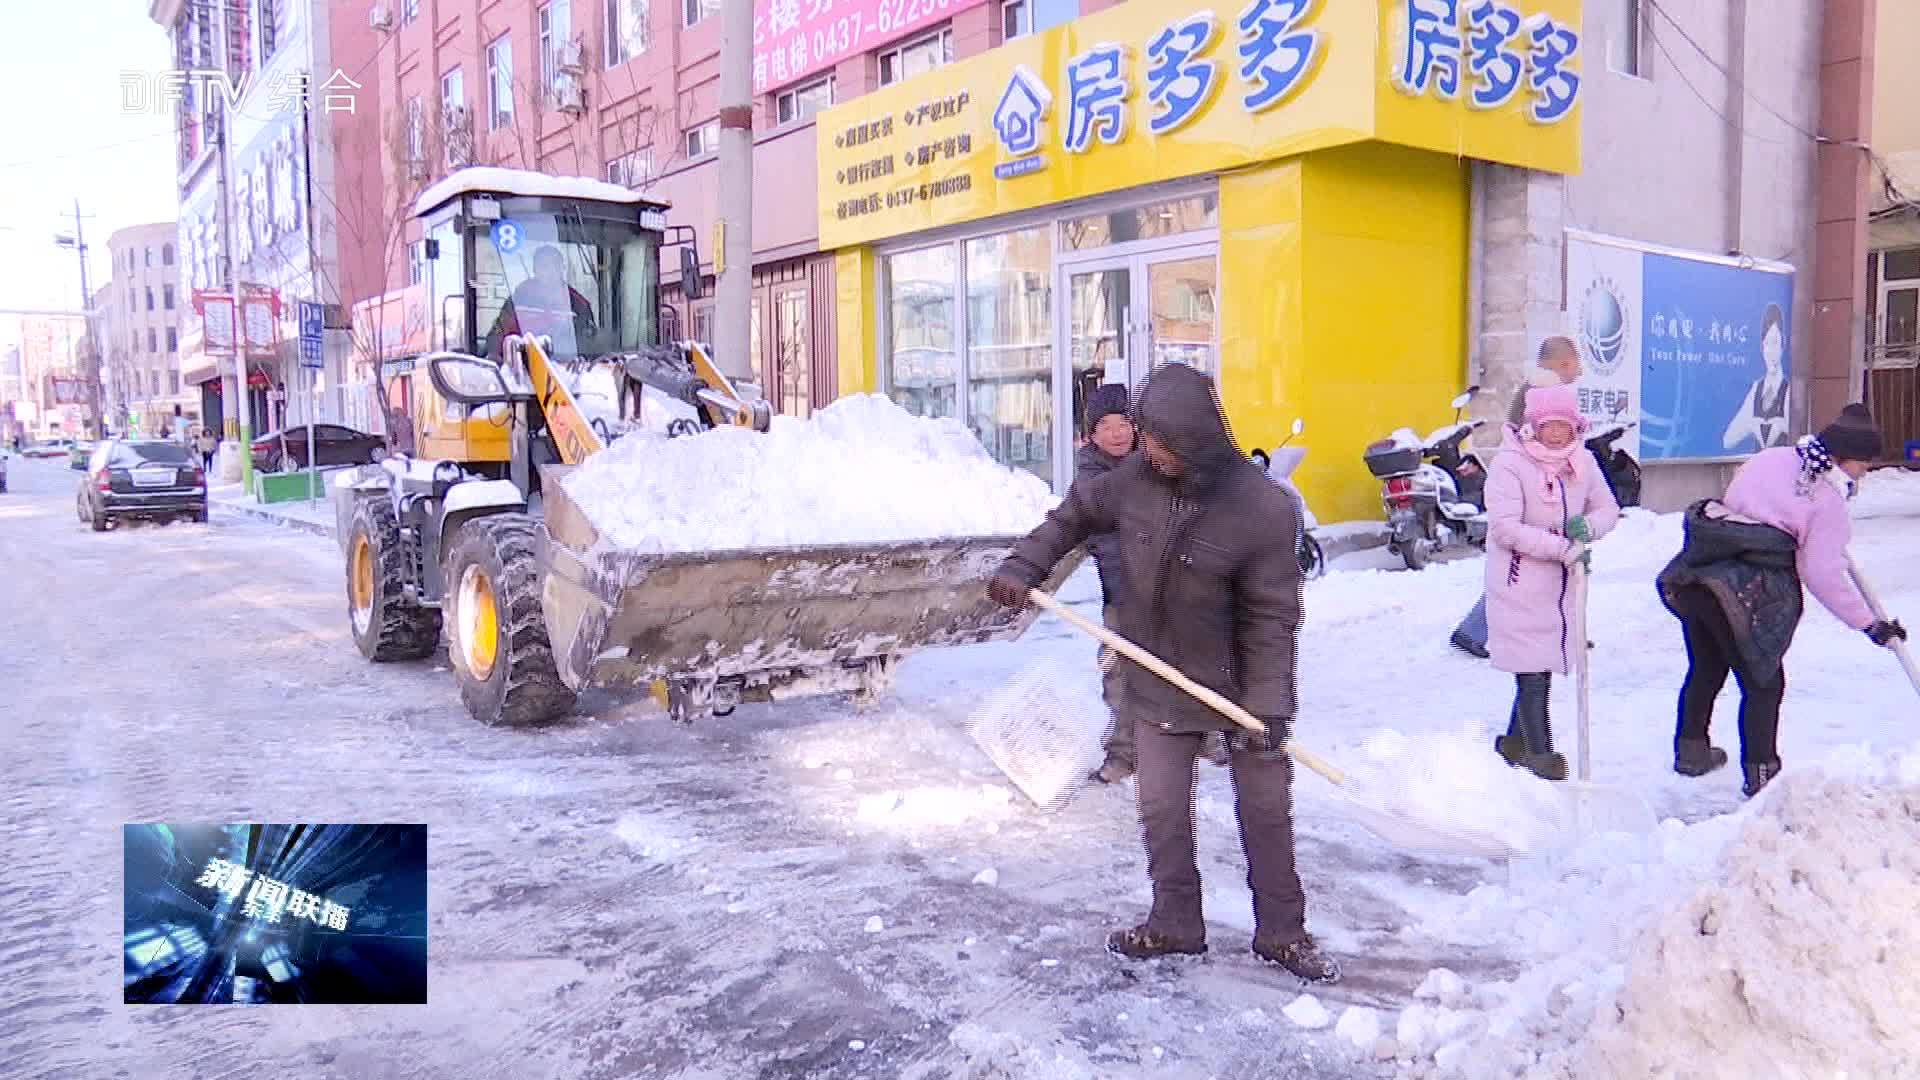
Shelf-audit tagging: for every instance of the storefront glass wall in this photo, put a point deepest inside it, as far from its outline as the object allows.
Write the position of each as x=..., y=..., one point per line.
x=923, y=371
x=1010, y=347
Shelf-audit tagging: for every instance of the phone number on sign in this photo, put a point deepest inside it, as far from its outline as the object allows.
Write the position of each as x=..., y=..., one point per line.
x=845, y=34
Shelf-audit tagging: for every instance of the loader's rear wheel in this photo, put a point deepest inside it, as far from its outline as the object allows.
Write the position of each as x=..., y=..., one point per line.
x=501, y=656
x=386, y=624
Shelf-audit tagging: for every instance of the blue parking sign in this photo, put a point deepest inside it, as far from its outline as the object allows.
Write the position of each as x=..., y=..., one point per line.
x=312, y=331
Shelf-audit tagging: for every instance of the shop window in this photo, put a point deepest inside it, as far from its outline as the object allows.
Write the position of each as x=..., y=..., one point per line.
x=1010, y=347
x=1623, y=37
x=917, y=57
x=802, y=102
x=793, y=350
x=703, y=324
x=1170, y=218
x=699, y=10
x=703, y=140
x=922, y=368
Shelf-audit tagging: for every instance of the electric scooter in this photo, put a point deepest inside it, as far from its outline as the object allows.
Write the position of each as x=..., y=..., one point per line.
x=1285, y=459
x=1618, y=466
x=1434, y=492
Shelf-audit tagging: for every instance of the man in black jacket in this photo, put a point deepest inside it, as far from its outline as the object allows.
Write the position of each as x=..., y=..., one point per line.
x=1213, y=586
x=1110, y=439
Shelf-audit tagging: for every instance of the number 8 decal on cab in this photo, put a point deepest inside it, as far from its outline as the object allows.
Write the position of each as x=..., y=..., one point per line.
x=506, y=236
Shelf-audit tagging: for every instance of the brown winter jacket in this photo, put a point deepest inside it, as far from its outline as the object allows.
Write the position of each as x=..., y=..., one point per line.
x=1212, y=576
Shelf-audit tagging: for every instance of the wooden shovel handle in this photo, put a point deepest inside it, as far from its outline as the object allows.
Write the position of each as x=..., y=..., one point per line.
x=1873, y=604
x=1173, y=675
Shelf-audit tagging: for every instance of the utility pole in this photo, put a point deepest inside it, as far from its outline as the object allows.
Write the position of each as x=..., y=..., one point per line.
x=733, y=298
x=78, y=242
x=242, y=406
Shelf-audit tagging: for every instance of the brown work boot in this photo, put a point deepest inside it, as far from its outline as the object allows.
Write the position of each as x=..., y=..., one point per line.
x=1145, y=943
x=1547, y=766
x=1512, y=748
x=1696, y=757
x=1759, y=775
x=1301, y=956
x=1113, y=770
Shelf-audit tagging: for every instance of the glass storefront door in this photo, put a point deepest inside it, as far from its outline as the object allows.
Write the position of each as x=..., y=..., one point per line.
x=1182, y=313
x=1099, y=332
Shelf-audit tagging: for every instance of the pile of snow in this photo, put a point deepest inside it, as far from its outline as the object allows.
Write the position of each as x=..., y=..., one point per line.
x=1450, y=794
x=860, y=471
x=1772, y=942
x=1888, y=493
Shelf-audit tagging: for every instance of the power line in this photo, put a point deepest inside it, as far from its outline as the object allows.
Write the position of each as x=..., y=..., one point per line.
x=1736, y=80
x=1704, y=100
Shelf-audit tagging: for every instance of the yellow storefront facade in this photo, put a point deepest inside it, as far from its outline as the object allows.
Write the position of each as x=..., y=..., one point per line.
x=1277, y=194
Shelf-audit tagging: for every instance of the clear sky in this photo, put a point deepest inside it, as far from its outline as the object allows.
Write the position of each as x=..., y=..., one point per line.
x=65, y=135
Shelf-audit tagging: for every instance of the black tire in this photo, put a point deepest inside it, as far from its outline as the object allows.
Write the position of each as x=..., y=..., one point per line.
x=386, y=626
x=96, y=518
x=1418, y=552
x=199, y=515
x=497, y=634
x=1313, y=560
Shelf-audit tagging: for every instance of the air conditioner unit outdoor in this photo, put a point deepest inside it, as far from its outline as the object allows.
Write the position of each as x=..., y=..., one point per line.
x=380, y=17
x=570, y=97
x=573, y=56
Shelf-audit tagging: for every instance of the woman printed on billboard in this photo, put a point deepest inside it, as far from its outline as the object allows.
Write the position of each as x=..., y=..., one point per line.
x=1762, y=416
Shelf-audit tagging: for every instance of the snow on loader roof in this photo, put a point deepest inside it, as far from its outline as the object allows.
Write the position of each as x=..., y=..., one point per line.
x=523, y=182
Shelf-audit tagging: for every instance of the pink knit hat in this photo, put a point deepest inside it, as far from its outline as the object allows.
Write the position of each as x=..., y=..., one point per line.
x=1546, y=403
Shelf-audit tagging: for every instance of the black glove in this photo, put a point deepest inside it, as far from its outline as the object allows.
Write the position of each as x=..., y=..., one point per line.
x=1008, y=590
x=1884, y=632
x=1279, y=730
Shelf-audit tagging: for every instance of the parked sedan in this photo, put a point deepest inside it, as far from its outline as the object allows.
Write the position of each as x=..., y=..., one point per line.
x=49, y=448
x=129, y=478
x=333, y=444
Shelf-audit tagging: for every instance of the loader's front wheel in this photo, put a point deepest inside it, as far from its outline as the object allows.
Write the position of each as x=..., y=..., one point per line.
x=498, y=632
x=386, y=624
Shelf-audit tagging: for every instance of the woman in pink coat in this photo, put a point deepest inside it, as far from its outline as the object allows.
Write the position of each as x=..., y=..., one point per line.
x=1546, y=504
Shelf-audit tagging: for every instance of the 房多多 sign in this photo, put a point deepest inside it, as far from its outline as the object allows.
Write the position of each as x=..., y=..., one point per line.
x=1151, y=91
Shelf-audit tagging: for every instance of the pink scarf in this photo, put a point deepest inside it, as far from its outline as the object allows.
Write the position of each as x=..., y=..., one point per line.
x=1553, y=463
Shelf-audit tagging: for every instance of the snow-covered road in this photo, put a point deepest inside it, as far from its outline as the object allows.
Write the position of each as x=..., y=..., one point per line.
x=788, y=892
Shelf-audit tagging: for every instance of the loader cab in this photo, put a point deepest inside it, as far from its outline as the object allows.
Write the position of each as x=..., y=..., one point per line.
x=508, y=252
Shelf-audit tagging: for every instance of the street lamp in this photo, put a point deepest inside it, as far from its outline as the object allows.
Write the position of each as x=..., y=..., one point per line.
x=78, y=243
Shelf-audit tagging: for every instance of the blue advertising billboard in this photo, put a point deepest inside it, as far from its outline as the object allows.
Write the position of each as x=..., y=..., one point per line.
x=1696, y=348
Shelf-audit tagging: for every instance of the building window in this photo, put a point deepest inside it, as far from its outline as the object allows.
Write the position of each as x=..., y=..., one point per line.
x=917, y=57
x=696, y=10
x=627, y=27
x=1623, y=37
x=631, y=169
x=1016, y=19
x=265, y=20
x=173, y=340
x=166, y=254
x=153, y=341
x=453, y=94
x=704, y=139
x=409, y=10
x=416, y=139
x=149, y=297
x=554, y=21
x=500, y=83
x=166, y=296
x=149, y=256
x=173, y=382
x=416, y=263
x=802, y=102
x=923, y=369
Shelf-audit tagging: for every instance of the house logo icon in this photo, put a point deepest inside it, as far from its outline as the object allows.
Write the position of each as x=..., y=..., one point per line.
x=1018, y=122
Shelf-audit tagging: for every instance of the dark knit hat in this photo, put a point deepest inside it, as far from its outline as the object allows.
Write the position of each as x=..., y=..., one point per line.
x=1852, y=436
x=1106, y=400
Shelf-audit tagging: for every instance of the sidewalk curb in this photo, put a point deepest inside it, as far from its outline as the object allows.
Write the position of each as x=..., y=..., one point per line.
x=1350, y=542
x=313, y=528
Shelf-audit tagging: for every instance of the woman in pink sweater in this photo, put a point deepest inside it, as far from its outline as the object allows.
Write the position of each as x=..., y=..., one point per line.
x=1735, y=586
x=1546, y=504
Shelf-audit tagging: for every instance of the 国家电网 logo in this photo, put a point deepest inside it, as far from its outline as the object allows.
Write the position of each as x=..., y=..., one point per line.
x=1603, y=325
x=1019, y=121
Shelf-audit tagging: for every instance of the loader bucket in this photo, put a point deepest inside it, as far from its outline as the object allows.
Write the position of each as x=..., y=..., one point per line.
x=761, y=624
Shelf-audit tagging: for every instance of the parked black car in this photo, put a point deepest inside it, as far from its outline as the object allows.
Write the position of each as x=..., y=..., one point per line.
x=333, y=444
x=129, y=478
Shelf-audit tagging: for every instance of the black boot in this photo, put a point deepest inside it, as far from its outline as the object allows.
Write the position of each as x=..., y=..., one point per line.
x=1759, y=775
x=1530, y=715
x=1144, y=943
x=1301, y=956
x=1512, y=748
x=1547, y=766
x=1697, y=757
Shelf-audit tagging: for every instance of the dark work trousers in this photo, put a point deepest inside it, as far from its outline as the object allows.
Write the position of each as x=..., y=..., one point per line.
x=1113, y=687
x=1529, y=717
x=1263, y=800
x=1710, y=656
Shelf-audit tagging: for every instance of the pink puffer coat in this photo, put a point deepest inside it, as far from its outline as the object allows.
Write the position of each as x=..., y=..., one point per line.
x=1529, y=591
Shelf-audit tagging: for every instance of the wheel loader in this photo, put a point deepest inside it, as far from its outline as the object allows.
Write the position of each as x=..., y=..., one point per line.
x=540, y=289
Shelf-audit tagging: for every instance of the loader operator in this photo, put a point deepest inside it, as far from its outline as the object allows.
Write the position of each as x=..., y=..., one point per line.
x=1213, y=585
x=542, y=305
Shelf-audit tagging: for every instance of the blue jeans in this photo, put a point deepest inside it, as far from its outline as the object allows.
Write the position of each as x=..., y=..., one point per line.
x=1474, y=626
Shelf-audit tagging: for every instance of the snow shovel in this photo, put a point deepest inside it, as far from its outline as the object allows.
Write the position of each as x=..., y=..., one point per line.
x=1396, y=808
x=1879, y=612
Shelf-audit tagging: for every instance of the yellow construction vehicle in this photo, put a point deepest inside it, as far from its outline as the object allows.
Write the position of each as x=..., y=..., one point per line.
x=538, y=289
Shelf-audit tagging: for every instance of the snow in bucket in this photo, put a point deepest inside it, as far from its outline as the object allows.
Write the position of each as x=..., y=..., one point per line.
x=860, y=471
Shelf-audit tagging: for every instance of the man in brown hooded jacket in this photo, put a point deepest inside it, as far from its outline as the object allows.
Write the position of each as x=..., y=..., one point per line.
x=1214, y=588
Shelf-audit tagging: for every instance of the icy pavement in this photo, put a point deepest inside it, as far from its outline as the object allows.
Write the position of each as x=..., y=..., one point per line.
x=796, y=891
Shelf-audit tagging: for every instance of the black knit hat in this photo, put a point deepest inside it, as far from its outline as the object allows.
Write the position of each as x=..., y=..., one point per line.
x=1852, y=436
x=1105, y=400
